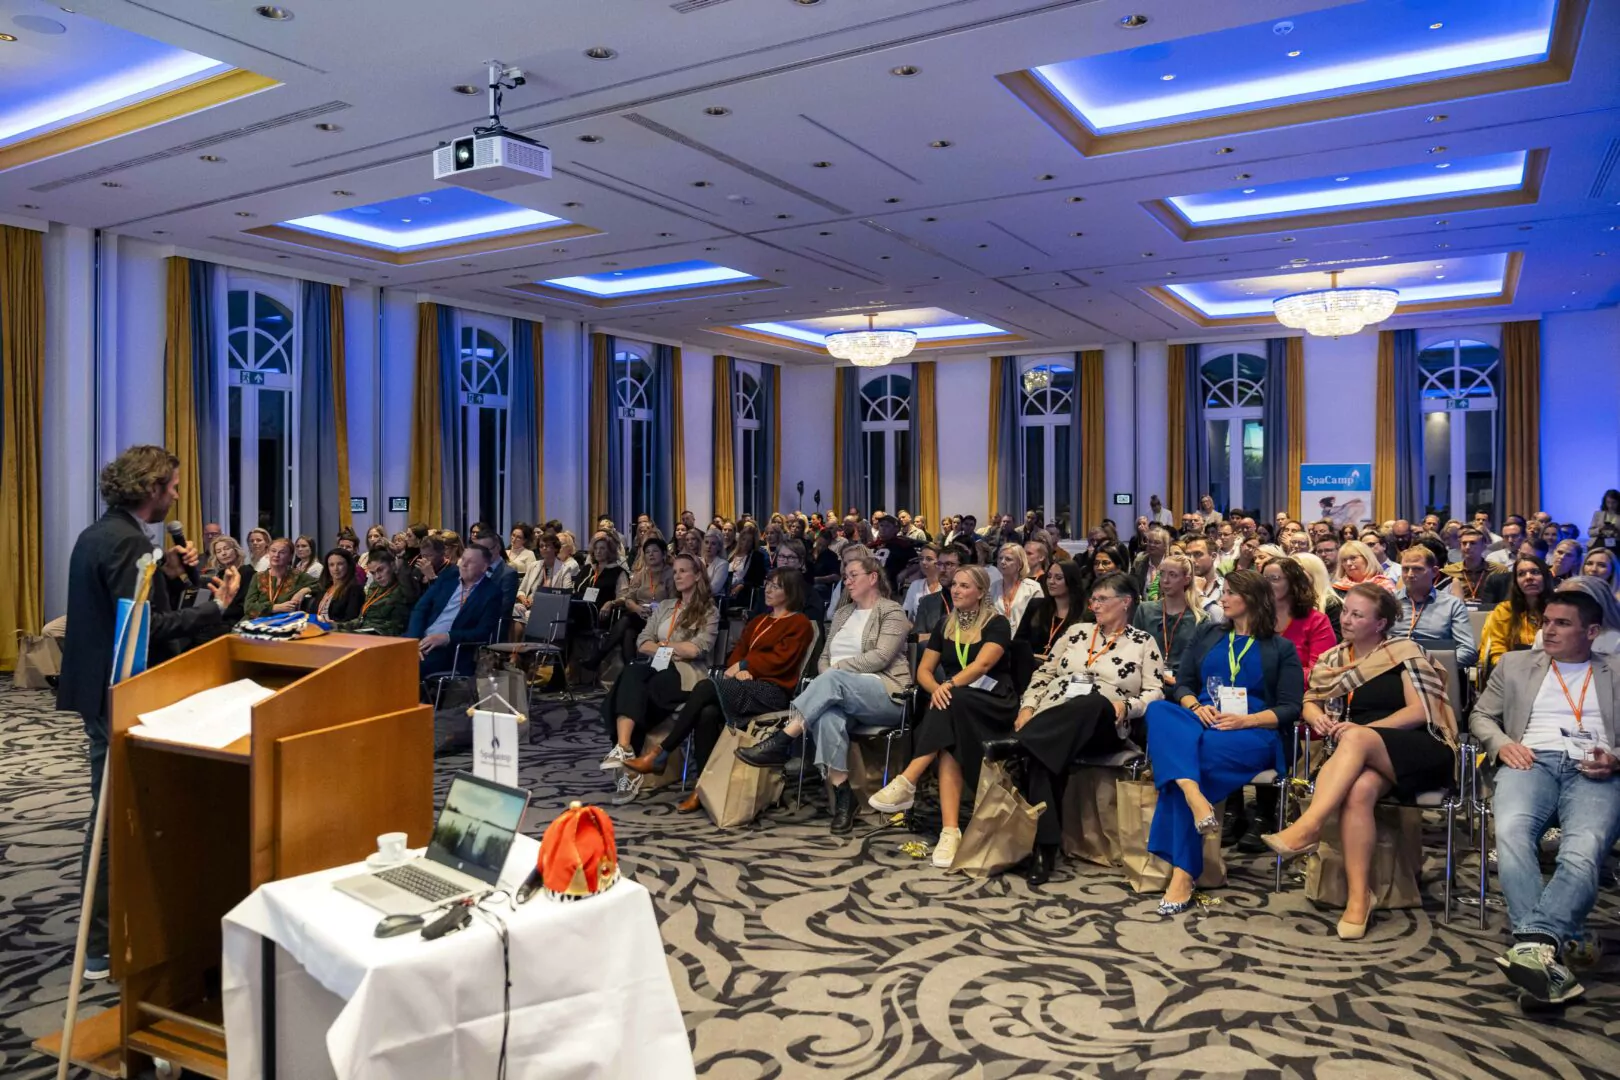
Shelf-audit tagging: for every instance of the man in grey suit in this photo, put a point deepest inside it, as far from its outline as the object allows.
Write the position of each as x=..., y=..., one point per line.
x=1549, y=717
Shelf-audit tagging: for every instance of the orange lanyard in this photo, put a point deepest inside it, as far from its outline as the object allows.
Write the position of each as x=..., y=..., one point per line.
x=771, y=622
x=1092, y=652
x=1417, y=613
x=466, y=591
x=1473, y=586
x=1351, y=696
x=374, y=597
x=673, y=615
x=1574, y=707
x=1057, y=628
x=1168, y=632
x=1007, y=599
x=326, y=600
x=275, y=588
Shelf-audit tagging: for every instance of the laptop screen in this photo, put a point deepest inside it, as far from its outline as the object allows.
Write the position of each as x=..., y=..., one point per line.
x=475, y=828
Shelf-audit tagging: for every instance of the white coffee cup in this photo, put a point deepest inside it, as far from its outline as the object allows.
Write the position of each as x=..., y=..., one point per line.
x=391, y=846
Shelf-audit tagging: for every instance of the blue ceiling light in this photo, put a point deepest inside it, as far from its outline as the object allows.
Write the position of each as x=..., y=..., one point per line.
x=929, y=324
x=1465, y=277
x=1380, y=187
x=649, y=279
x=444, y=217
x=1373, y=44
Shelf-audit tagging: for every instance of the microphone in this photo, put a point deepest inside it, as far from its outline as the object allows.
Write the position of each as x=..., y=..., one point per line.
x=177, y=533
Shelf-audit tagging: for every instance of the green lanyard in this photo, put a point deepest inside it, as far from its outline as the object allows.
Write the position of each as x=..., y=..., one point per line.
x=1234, y=659
x=961, y=651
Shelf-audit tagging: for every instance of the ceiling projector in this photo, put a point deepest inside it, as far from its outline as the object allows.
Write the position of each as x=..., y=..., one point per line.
x=492, y=158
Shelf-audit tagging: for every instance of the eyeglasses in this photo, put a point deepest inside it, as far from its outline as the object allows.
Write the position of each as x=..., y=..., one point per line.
x=1095, y=600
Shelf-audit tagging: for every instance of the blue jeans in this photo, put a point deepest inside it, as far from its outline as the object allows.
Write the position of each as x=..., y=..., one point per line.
x=1588, y=813
x=836, y=701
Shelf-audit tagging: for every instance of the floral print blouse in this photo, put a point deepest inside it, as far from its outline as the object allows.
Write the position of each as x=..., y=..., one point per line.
x=1127, y=667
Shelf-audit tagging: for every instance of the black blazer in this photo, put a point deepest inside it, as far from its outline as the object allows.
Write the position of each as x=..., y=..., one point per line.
x=101, y=571
x=1280, y=669
x=344, y=607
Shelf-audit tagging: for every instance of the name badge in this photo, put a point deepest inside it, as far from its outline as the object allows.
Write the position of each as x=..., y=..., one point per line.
x=1233, y=700
x=661, y=658
x=591, y=594
x=983, y=682
x=1082, y=684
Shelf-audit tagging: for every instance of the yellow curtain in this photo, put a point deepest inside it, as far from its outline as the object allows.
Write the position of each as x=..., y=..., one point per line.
x=724, y=472
x=538, y=332
x=839, y=420
x=22, y=372
x=1175, y=485
x=1295, y=363
x=1521, y=421
x=427, y=469
x=927, y=441
x=179, y=399
x=994, y=473
x=677, y=438
x=1094, y=446
x=600, y=406
x=340, y=407
x=774, y=375
x=1384, y=432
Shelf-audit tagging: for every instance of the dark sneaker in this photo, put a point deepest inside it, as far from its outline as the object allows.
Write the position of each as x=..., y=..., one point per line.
x=97, y=968
x=1534, y=967
x=773, y=751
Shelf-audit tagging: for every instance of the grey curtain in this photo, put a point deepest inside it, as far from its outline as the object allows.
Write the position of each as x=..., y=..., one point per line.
x=1195, y=456
x=769, y=387
x=319, y=512
x=663, y=509
x=1007, y=454
x=452, y=439
x=205, y=387
x=1409, y=495
x=854, y=446
x=523, y=426
x=1274, y=417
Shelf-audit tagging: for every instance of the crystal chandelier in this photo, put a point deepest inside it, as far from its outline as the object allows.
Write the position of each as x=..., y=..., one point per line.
x=1332, y=312
x=871, y=347
x=1037, y=379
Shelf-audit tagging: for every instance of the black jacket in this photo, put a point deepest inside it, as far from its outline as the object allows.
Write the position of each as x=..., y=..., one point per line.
x=102, y=570
x=1280, y=668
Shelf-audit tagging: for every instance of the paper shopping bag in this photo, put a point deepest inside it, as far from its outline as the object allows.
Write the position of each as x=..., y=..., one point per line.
x=37, y=657
x=1397, y=862
x=731, y=791
x=1091, y=816
x=1002, y=832
x=1136, y=800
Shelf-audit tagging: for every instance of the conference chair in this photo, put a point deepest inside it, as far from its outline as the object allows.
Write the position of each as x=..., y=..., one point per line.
x=455, y=674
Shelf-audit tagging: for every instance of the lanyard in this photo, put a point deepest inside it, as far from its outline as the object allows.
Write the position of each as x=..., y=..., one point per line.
x=1092, y=652
x=466, y=591
x=771, y=622
x=1575, y=707
x=1057, y=628
x=376, y=595
x=276, y=587
x=1417, y=613
x=962, y=648
x=1168, y=632
x=673, y=615
x=326, y=601
x=1473, y=586
x=1234, y=660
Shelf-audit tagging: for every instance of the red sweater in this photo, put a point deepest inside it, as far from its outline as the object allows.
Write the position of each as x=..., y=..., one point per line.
x=1312, y=636
x=774, y=648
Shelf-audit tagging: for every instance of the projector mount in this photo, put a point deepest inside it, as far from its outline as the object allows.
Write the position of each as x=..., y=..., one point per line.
x=502, y=77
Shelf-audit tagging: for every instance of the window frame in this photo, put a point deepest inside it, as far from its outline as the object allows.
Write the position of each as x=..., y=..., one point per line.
x=1441, y=402
x=1045, y=416
x=1241, y=401
x=748, y=424
x=475, y=399
x=892, y=423
x=241, y=505
x=636, y=416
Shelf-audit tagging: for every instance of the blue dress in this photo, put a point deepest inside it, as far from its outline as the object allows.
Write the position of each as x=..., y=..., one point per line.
x=1221, y=762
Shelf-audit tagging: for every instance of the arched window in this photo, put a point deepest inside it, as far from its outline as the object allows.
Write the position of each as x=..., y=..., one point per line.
x=1458, y=380
x=486, y=382
x=634, y=395
x=1234, y=387
x=261, y=344
x=747, y=404
x=886, y=432
x=1045, y=409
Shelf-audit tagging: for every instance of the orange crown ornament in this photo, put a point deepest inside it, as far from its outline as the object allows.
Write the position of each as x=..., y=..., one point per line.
x=577, y=854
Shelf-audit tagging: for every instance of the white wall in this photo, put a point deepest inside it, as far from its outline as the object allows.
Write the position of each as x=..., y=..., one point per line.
x=807, y=427
x=1341, y=398
x=397, y=341
x=962, y=389
x=1580, y=399
x=697, y=404
x=1119, y=430
x=69, y=500
x=1152, y=425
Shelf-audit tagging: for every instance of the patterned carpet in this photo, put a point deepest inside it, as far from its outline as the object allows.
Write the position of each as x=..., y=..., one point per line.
x=797, y=953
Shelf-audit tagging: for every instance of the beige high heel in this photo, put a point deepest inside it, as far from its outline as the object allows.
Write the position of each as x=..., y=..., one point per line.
x=1349, y=931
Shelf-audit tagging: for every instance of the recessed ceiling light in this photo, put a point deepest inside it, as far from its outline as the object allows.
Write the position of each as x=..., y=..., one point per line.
x=1241, y=176
x=610, y=264
x=821, y=164
x=1439, y=266
x=8, y=37
x=941, y=144
x=465, y=89
x=244, y=213
x=1442, y=221
x=717, y=110
x=783, y=217
x=1133, y=22
x=1046, y=176
x=906, y=71
x=885, y=258
x=701, y=183
x=1436, y=25
x=1526, y=228
x=272, y=12
x=1439, y=277
x=984, y=245
x=1442, y=245
x=1248, y=191
x=892, y=199
x=1437, y=150
x=1170, y=273
x=1166, y=78
x=824, y=232
x=601, y=52
x=666, y=235
x=1223, y=150
x=1301, y=261
x=160, y=232
x=1285, y=240
x=283, y=256
x=572, y=205
x=807, y=3
x=1443, y=165
x=212, y=158
x=1293, y=53
x=1077, y=234
x=930, y=219
x=1147, y=254
x=340, y=193
x=1436, y=118
x=560, y=251
x=1340, y=179
x=590, y=138
x=111, y=183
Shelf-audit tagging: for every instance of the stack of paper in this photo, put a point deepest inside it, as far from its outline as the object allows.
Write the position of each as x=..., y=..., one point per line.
x=214, y=718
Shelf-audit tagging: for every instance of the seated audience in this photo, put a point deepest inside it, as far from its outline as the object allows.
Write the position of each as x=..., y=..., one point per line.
x=1433, y=618
x=1240, y=685
x=672, y=658
x=1172, y=619
x=548, y=570
x=1327, y=600
x=893, y=550
x=337, y=596
x=1514, y=536
x=748, y=568
x=1049, y=617
x=1608, y=512
x=225, y=553
x=927, y=584
x=1608, y=640
x=1395, y=731
x=520, y=552
x=1565, y=561
x=761, y=675
x=790, y=555
x=1600, y=564
x=460, y=609
x=1358, y=563
x=1541, y=718
x=306, y=559
x=1103, y=559
x=1476, y=581
x=1145, y=567
x=1012, y=589
x=277, y=589
x=650, y=584
x=258, y=542
x=966, y=671
x=931, y=607
x=376, y=537
x=1327, y=549
x=500, y=571
x=386, y=606
x=1038, y=553
x=1513, y=623
x=1298, y=618
x=1098, y=678
x=861, y=668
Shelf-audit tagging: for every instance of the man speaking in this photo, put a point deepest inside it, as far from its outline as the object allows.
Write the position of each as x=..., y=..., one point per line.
x=139, y=488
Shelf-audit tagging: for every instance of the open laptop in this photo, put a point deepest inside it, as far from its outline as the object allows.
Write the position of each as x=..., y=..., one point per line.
x=470, y=841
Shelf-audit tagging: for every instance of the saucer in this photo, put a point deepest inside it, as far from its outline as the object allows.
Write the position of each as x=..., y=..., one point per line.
x=377, y=862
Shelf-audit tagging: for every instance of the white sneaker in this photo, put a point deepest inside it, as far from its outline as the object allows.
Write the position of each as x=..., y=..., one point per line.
x=627, y=787
x=945, y=849
x=615, y=758
x=896, y=797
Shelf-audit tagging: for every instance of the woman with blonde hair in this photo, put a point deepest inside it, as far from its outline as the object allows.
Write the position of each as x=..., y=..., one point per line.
x=1327, y=601
x=1358, y=563
x=1172, y=619
x=1012, y=589
x=966, y=671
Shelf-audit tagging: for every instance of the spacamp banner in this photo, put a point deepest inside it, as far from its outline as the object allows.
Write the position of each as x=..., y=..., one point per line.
x=1340, y=493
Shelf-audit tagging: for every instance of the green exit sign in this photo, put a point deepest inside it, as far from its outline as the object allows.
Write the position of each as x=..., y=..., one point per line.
x=1458, y=403
x=251, y=378
x=475, y=399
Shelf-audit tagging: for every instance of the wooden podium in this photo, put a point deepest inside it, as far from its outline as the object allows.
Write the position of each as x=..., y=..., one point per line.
x=341, y=753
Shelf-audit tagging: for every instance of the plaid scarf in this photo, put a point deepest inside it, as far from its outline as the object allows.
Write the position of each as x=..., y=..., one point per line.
x=1336, y=675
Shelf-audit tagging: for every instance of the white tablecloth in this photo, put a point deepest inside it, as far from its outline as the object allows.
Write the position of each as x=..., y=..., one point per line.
x=591, y=995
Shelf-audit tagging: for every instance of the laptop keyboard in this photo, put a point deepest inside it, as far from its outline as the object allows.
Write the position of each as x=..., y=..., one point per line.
x=427, y=886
